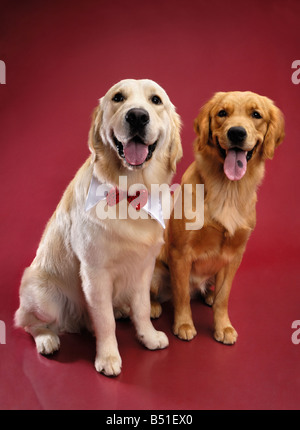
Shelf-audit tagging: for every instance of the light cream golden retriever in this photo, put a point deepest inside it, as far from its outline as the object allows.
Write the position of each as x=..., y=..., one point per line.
x=236, y=133
x=87, y=267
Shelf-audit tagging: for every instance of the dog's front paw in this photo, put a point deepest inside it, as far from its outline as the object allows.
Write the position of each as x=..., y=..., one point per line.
x=156, y=340
x=226, y=335
x=185, y=331
x=110, y=365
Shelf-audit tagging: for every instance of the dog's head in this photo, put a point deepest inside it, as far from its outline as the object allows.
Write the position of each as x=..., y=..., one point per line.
x=137, y=122
x=238, y=127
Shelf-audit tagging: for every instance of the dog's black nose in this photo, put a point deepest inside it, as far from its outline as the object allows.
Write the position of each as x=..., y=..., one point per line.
x=137, y=118
x=237, y=135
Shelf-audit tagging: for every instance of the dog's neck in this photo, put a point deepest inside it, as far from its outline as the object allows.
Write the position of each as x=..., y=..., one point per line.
x=231, y=202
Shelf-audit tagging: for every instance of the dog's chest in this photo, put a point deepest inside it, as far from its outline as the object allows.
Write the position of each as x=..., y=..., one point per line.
x=227, y=204
x=216, y=248
x=227, y=212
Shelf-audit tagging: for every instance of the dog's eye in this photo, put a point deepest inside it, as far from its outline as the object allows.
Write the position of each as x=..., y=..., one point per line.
x=256, y=114
x=222, y=113
x=118, y=98
x=156, y=100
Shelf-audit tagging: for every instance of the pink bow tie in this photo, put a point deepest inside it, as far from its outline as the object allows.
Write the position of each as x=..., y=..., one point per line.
x=114, y=196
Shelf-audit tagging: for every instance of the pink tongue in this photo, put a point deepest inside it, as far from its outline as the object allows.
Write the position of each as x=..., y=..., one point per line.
x=235, y=164
x=135, y=153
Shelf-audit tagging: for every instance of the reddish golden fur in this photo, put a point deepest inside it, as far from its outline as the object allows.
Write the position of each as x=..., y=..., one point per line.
x=198, y=259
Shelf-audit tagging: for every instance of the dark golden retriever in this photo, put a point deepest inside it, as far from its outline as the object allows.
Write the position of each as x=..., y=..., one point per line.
x=237, y=132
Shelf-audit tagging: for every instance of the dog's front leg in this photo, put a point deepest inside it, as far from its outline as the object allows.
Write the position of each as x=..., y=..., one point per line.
x=140, y=314
x=180, y=270
x=223, y=329
x=98, y=289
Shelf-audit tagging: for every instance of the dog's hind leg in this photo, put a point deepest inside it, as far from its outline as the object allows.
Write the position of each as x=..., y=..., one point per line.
x=43, y=332
x=40, y=310
x=160, y=290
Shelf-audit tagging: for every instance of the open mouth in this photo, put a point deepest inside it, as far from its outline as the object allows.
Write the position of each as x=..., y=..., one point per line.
x=136, y=152
x=235, y=161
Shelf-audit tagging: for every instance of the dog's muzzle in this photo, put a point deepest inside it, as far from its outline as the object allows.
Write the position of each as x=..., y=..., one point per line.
x=137, y=119
x=235, y=157
x=136, y=151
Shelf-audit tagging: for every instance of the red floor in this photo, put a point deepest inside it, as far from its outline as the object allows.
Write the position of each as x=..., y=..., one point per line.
x=60, y=58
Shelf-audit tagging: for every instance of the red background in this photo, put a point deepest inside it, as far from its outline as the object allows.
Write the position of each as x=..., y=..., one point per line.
x=60, y=58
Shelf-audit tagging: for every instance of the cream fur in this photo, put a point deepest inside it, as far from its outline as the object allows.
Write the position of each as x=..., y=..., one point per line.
x=86, y=268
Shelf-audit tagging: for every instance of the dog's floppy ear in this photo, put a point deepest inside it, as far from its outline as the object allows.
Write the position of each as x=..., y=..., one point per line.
x=202, y=123
x=94, y=135
x=175, y=147
x=202, y=127
x=275, y=132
